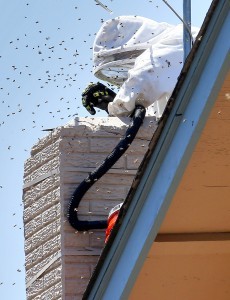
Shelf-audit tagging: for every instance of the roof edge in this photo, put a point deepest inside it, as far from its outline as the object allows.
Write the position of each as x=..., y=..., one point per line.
x=181, y=106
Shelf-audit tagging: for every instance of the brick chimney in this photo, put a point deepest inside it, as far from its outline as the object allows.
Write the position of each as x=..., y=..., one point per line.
x=59, y=260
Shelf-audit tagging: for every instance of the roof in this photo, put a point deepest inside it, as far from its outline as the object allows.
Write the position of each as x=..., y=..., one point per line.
x=169, y=152
x=190, y=256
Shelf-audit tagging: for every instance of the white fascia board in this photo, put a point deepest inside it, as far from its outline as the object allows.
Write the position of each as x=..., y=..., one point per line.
x=153, y=196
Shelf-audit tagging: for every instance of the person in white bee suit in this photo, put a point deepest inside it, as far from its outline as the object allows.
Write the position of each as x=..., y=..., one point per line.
x=140, y=56
x=143, y=58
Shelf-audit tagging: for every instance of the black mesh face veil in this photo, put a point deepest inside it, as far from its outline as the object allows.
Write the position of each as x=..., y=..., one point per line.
x=114, y=68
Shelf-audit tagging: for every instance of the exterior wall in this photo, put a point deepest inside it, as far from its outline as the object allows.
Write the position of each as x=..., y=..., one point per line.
x=59, y=260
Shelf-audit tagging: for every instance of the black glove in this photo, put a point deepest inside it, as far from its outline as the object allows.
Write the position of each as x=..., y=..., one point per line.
x=97, y=95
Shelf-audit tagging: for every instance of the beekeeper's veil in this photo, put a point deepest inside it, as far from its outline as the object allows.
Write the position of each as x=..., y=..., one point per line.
x=119, y=42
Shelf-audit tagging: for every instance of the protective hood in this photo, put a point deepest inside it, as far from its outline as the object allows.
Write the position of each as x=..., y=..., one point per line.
x=120, y=41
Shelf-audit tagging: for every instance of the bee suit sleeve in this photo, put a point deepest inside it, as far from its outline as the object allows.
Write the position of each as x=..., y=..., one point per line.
x=151, y=74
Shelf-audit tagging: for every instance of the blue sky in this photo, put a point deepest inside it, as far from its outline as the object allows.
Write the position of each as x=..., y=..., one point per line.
x=45, y=63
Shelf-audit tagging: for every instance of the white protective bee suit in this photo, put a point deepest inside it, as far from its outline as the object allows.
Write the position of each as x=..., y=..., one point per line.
x=143, y=58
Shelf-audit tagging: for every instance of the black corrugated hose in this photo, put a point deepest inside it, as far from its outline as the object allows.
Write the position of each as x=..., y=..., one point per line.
x=111, y=159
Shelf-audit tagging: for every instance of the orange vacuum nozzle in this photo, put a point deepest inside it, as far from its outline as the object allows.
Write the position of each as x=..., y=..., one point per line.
x=112, y=218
